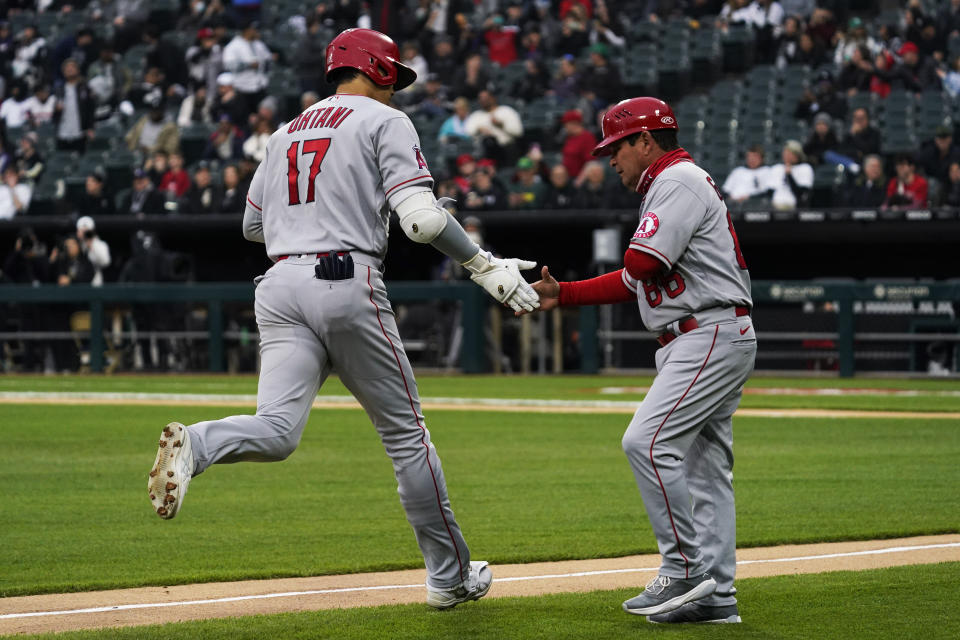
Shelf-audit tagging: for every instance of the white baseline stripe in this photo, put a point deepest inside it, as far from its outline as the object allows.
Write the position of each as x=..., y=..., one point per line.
x=553, y=576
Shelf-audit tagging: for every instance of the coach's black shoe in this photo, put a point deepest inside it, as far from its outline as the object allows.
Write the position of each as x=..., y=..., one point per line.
x=696, y=612
x=664, y=594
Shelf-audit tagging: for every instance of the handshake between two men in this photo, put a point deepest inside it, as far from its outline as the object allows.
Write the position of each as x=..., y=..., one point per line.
x=501, y=278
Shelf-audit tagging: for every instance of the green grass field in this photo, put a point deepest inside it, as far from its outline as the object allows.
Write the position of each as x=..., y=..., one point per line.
x=525, y=487
x=902, y=602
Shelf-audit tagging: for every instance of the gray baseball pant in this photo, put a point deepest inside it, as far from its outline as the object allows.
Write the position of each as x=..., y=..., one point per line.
x=308, y=327
x=680, y=448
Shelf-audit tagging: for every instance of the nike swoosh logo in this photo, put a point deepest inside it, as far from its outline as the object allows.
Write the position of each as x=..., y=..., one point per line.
x=745, y=329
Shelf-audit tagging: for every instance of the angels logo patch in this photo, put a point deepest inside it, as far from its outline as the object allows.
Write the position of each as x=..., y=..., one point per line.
x=421, y=161
x=648, y=226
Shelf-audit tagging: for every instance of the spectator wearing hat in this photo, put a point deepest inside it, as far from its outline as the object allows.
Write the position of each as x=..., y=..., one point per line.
x=750, y=179
x=94, y=201
x=561, y=194
x=74, y=111
x=821, y=97
x=229, y=102
x=496, y=127
x=862, y=139
x=855, y=38
x=202, y=195
x=430, y=99
x=249, y=60
x=822, y=139
x=527, y=190
x=29, y=161
x=869, y=190
x=225, y=143
x=143, y=199
x=913, y=73
x=578, y=143
x=935, y=156
x=501, y=40
x=93, y=247
x=601, y=80
x=204, y=60
x=466, y=166
x=154, y=131
x=907, y=189
x=791, y=180
x=454, y=127
x=14, y=195
x=41, y=105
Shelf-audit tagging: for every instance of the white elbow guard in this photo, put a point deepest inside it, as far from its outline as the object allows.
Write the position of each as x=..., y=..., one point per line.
x=421, y=217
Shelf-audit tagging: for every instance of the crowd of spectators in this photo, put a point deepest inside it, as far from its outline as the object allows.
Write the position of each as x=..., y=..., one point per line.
x=482, y=69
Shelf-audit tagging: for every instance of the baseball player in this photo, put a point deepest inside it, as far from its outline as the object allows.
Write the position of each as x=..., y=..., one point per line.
x=320, y=201
x=685, y=269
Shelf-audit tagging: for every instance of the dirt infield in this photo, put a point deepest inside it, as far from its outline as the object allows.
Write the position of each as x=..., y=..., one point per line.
x=154, y=605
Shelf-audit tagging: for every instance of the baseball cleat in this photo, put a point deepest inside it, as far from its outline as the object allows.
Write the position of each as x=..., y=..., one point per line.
x=474, y=588
x=172, y=471
x=664, y=594
x=695, y=612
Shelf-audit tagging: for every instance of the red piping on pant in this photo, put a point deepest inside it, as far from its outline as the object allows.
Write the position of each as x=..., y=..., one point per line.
x=686, y=563
x=417, y=418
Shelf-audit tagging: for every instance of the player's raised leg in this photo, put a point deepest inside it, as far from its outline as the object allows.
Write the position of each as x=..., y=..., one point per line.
x=293, y=365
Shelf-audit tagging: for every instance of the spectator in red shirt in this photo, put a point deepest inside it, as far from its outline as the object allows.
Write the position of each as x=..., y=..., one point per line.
x=579, y=143
x=907, y=190
x=176, y=178
x=501, y=41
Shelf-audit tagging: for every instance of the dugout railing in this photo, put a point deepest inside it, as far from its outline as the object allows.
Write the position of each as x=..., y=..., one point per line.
x=798, y=323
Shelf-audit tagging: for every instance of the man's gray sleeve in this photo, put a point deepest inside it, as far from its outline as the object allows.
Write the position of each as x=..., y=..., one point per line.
x=454, y=242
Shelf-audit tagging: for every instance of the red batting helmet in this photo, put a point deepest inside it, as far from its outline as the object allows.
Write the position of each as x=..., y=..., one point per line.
x=632, y=116
x=371, y=53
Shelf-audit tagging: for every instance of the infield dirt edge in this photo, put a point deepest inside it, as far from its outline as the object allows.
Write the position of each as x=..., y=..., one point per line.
x=403, y=587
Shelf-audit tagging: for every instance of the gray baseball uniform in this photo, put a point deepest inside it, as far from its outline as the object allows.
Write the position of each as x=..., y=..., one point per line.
x=324, y=186
x=680, y=441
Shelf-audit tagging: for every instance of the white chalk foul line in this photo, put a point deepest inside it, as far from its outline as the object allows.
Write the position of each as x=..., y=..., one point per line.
x=551, y=576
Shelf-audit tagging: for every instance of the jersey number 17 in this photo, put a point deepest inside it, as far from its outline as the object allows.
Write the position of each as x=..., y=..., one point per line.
x=318, y=147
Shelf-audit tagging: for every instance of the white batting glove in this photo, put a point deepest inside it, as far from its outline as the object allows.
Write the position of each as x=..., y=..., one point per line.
x=501, y=278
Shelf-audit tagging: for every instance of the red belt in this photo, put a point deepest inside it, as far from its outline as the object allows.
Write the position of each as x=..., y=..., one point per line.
x=319, y=255
x=690, y=324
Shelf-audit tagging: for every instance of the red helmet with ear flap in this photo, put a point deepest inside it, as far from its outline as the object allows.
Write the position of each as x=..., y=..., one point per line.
x=371, y=53
x=632, y=116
